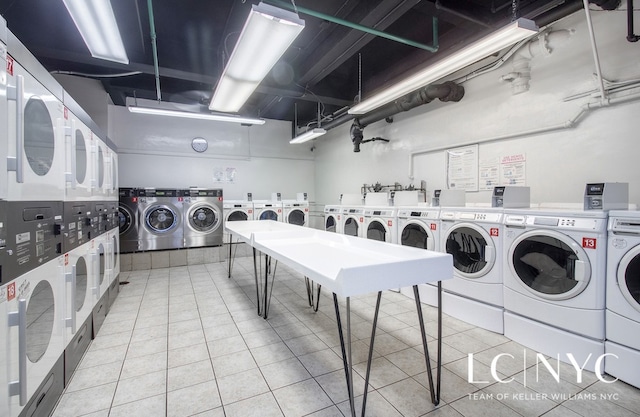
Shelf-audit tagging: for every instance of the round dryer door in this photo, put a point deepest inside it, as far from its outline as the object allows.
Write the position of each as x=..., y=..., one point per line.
x=629, y=277
x=376, y=230
x=472, y=249
x=125, y=219
x=414, y=234
x=296, y=216
x=39, y=138
x=237, y=216
x=351, y=227
x=80, y=157
x=81, y=283
x=330, y=224
x=551, y=265
x=161, y=219
x=40, y=320
x=203, y=218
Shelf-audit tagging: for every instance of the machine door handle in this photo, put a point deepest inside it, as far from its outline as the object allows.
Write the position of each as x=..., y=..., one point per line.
x=19, y=319
x=70, y=277
x=15, y=163
x=489, y=254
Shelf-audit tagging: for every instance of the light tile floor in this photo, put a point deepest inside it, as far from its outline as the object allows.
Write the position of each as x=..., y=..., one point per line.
x=186, y=341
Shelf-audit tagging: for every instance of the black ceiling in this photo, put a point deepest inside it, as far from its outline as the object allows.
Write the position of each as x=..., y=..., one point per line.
x=326, y=63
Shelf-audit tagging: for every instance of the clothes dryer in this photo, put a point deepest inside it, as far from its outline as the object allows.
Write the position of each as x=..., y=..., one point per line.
x=622, y=314
x=35, y=153
x=203, y=217
x=473, y=236
x=352, y=221
x=268, y=210
x=554, y=281
x=101, y=255
x=79, y=273
x=35, y=340
x=236, y=210
x=128, y=220
x=79, y=163
x=380, y=224
x=160, y=212
x=295, y=212
x=333, y=218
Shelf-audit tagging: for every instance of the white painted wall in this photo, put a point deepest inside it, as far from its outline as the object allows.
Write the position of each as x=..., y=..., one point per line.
x=156, y=152
x=602, y=147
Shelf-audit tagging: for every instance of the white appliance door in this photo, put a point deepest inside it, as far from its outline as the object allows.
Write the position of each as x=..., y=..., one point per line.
x=351, y=226
x=297, y=216
x=416, y=235
x=330, y=224
x=549, y=264
x=472, y=249
x=629, y=277
x=377, y=230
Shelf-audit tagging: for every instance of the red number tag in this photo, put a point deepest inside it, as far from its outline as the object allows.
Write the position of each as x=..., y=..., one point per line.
x=9, y=65
x=588, y=243
x=11, y=291
x=494, y=231
x=389, y=223
x=433, y=226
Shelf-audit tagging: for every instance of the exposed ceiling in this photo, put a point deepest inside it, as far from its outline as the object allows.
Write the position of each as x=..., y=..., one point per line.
x=328, y=63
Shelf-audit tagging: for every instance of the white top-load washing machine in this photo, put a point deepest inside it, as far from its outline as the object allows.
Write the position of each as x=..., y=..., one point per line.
x=622, y=315
x=203, y=214
x=332, y=218
x=554, y=281
x=473, y=236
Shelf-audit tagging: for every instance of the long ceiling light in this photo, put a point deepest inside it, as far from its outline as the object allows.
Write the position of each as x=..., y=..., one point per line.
x=97, y=25
x=514, y=32
x=200, y=116
x=266, y=35
x=308, y=135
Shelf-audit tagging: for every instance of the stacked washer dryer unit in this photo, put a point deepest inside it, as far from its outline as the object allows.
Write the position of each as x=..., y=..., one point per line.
x=622, y=314
x=352, y=215
x=203, y=217
x=296, y=211
x=32, y=184
x=555, y=279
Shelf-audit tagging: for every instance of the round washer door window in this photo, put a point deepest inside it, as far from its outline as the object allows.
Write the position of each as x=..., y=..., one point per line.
x=161, y=219
x=103, y=264
x=125, y=220
x=39, y=138
x=629, y=277
x=81, y=283
x=413, y=234
x=269, y=215
x=81, y=157
x=237, y=216
x=203, y=218
x=330, y=224
x=549, y=264
x=351, y=227
x=40, y=319
x=296, y=216
x=472, y=250
x=376, y=231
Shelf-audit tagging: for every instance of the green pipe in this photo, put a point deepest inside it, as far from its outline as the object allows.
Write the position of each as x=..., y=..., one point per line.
x=155, y=48
x=362, y=28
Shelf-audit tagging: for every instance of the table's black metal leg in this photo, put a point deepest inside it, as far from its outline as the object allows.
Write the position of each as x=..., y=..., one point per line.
x=229, y=260
x=345, y=362
x=317, y=305
x=313, y=298
x=268, y=290
x=435, y=393
x=255, y=273
x=373, y=337
x=307, y=282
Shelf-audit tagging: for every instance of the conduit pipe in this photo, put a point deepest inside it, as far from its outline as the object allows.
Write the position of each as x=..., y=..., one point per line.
x=154, y=46
x=570, y=123
x=594, y=49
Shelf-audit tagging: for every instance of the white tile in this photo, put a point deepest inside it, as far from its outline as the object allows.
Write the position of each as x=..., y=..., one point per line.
x=140, y=387
x=193, y=400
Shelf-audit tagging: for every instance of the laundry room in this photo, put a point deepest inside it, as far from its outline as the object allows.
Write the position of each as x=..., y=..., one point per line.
x=415, y=209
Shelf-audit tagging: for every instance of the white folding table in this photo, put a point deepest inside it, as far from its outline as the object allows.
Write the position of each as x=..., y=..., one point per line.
x=348, y=266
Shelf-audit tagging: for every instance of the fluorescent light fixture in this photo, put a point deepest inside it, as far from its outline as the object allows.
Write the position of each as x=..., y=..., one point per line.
x=200, y=116
x=97, y=25
x=266, y=35
x=498, y=40
x=308, y=135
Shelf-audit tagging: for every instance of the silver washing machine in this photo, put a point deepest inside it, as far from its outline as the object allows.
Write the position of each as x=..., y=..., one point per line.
x=160, y=212
x=203, y=217
x=128, y=220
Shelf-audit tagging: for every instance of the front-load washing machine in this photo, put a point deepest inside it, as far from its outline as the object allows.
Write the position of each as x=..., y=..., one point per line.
x=554, y=282
x=352, y=221
x=79, y=273
x=295, y=212
x=419, y=227
x=35, y=151
x=267, y=210
x=332, y=218
x=473, y=236
x=622, y=314
x=236, y=210
x=34, y=236
x=128, y=220
x=160, y=212
x=34, y=340
x=380, y=224
x=203, y=217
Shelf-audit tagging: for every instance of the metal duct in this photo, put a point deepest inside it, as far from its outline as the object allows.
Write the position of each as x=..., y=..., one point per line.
x=448, y=91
